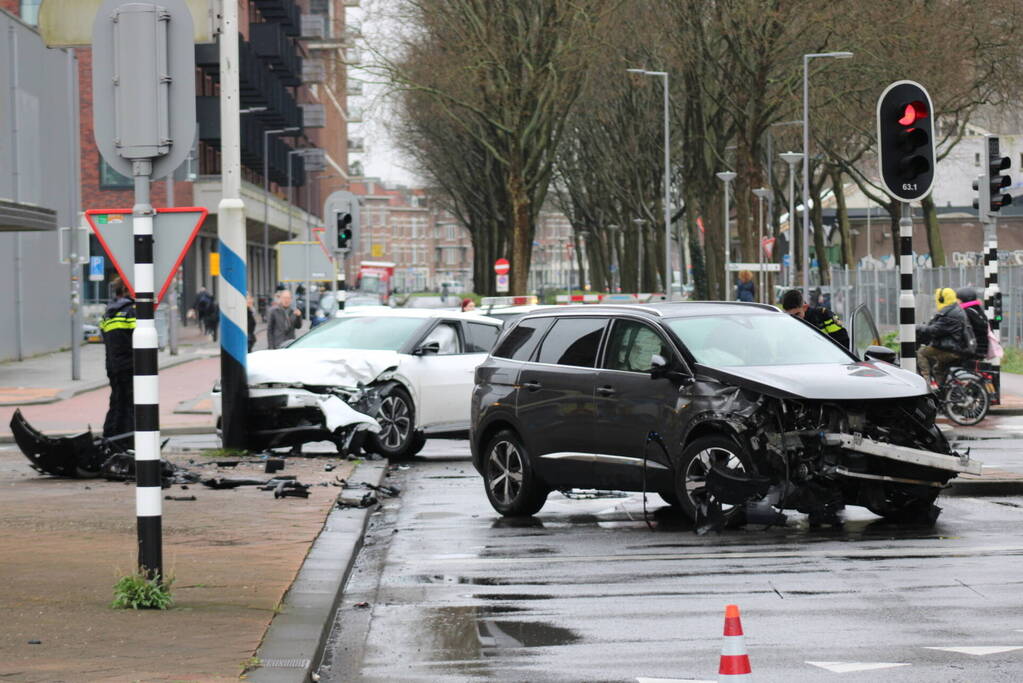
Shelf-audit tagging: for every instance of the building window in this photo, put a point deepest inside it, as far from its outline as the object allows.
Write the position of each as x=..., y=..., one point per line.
x=109, y=179
x=451, y=231
x=976, y=159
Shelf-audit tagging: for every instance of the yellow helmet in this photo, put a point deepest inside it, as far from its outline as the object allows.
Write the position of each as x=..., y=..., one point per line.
x=943, y=296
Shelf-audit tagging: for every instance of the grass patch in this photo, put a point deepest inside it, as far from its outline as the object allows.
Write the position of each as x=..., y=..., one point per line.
x=1012, y=361
x=138, y=591
x=224, y=453
x=891, y=340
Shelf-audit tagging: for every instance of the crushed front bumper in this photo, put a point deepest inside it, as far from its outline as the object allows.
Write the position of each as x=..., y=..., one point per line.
x=960, y=464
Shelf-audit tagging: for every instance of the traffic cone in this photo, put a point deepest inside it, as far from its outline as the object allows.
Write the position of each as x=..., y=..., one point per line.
x=734, y=660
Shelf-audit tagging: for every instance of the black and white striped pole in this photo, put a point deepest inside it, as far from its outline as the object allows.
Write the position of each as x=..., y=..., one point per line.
x=907, y=298
x=905, y=153
x=148, y=503
x=990, y=199
x=143, y=76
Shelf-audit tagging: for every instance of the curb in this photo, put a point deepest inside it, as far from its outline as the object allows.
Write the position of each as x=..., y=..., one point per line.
x=294, y=641
x=98, y=384
x=981, y=487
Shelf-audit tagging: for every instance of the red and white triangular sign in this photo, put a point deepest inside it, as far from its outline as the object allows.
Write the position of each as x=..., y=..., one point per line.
x=318, y=235
x=174, y=230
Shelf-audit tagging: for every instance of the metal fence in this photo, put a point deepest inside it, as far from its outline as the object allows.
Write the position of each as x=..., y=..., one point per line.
x=879, y=290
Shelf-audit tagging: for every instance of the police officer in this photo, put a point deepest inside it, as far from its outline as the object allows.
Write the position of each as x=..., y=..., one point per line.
x=117, y=327
x=824, y=319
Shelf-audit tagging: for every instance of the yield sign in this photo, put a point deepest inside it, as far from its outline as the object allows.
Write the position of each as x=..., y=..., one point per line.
x=174, y=230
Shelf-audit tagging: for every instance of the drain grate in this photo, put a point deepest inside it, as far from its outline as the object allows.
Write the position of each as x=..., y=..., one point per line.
x=285, y=663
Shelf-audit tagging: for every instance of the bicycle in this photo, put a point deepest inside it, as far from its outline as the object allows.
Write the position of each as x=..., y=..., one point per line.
x=964, y=395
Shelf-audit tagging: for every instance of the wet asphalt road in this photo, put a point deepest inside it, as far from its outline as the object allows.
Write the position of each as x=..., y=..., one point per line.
x=586, y=592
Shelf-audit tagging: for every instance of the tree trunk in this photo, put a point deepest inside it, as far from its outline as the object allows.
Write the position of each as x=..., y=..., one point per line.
x=701, y=289
x=934, y=241
x=848, y=256
x=521, y=233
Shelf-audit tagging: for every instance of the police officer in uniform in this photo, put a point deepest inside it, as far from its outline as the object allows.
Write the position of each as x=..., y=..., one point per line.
x=824, y=319
x=117, y=327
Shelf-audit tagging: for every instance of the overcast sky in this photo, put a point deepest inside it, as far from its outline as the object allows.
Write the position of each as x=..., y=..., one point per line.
x=381, y=159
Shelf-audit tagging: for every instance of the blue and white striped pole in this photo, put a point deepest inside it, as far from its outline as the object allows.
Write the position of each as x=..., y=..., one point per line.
x=907, y=300
x=234, y=344
x=148, y=491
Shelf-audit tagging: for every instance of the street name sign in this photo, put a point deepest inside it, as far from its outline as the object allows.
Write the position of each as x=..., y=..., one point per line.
x=767, y=267
x=177, y=228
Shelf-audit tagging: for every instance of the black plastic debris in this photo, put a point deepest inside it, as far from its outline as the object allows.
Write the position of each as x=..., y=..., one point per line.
x=274, y=465
x=389, y=491
x=367, y=499
x=180, y=498
x=290, y=489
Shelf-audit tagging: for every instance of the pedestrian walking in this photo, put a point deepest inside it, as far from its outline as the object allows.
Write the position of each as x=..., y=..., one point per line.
x=745, y=290
x=282, y=321
x=117, y=327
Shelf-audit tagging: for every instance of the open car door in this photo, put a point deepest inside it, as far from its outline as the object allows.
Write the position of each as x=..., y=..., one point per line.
x=862, y=331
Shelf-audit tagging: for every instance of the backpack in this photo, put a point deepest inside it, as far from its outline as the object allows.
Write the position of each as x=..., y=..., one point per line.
x=969, y=338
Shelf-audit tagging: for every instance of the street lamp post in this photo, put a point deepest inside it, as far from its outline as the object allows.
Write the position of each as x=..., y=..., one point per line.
x=616, y=271
x=806, y=159
x=763, y=194
x=266, y=192
x=727, y=177
x=639, y=223
x=667, y=182
x=792, y=158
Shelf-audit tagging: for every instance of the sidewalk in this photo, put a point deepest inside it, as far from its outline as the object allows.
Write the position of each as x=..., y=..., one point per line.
x=47, y=378
x=233, y=555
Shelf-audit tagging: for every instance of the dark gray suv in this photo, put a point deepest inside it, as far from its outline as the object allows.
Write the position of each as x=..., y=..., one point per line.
x=729, y=411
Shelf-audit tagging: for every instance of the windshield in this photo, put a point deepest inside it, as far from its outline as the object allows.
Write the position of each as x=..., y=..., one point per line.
x=362, y=332
x=754, y=339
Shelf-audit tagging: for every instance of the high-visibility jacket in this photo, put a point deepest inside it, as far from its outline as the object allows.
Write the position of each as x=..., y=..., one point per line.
x=117, y=327
x=825, y=320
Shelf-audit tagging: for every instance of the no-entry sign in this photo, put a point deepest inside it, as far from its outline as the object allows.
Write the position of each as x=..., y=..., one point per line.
x=501, y=266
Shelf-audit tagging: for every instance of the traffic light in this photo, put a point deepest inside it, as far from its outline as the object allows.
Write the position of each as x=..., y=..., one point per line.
x=996, y=305
x=905, y=135
x=990, y=185
x=344, y=230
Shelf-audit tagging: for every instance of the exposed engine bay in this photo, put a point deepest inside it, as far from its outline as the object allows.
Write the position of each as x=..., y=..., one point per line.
x=816, y=456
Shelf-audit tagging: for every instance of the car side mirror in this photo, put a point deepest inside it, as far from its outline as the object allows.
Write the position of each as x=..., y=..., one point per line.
x=880, y=353
x=427, y=349
x=660, y=367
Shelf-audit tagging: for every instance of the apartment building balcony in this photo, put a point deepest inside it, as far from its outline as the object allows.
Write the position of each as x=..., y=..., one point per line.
x=272, y=45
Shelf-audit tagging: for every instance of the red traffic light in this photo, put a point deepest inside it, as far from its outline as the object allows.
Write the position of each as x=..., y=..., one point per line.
x=912, y=112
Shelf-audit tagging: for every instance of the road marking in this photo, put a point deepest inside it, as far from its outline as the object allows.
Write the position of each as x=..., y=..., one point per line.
x=850, y=667
x=672, y=680
x=979, y=650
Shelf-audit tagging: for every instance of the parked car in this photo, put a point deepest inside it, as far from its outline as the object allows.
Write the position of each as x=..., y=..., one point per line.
x=728, y=410
x=91, y=334
x=378, y=378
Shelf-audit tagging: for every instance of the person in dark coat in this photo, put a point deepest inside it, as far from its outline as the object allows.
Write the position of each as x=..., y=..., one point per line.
x=117, y=327
x=746, y=290
x=948, y=338
x=250, y=309
x=282, y=321
x=974, y=309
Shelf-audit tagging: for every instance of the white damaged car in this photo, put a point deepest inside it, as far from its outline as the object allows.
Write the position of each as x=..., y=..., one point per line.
x=378, y=379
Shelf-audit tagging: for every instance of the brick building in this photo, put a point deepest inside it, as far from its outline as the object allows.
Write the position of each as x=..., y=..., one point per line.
x=294, y=106
x=427, y=245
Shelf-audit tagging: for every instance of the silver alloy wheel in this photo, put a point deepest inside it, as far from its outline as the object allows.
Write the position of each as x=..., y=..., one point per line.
x=504, y=469
x=699, y=467
x=394, y=420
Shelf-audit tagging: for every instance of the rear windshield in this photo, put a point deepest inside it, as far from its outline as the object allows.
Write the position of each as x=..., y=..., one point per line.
x=754, y=339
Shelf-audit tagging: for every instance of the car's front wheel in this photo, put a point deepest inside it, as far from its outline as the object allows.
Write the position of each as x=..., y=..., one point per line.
x=511, y=483
x=718, y=451
x=396, y=416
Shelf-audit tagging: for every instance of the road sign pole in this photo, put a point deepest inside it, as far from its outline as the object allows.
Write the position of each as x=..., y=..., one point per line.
x=231, y=232
x=148, y=491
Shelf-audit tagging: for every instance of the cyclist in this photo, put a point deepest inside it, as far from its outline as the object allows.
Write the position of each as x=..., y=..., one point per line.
x=948, y=338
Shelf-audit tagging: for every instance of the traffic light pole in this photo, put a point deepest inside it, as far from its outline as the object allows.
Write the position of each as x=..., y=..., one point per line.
x=907, y=300
x=991, y=294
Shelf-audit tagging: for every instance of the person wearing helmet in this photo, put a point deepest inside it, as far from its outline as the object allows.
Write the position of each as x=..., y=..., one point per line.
x=948, y=338
x=969, y=302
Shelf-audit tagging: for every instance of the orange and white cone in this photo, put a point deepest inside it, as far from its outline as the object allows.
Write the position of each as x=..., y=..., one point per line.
x=734, y=660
